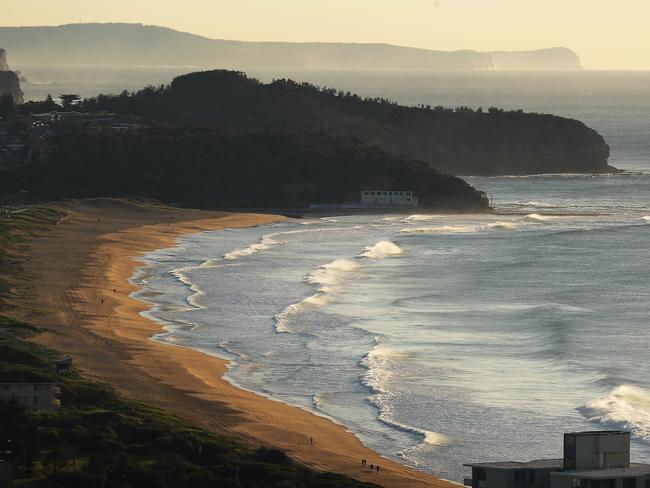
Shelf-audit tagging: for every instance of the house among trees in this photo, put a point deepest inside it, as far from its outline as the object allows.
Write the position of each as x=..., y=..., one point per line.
x=33, y=395
x=599, y=459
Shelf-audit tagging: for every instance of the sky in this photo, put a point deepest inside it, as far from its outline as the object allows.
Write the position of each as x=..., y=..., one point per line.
x=605, y=34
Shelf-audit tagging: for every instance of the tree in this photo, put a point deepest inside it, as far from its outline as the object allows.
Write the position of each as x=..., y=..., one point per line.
x=7, y=105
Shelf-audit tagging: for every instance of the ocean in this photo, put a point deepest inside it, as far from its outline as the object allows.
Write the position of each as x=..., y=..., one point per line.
x=437, y=339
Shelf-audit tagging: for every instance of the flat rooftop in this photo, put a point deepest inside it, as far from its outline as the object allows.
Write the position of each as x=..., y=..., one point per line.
x=534, y=464
x=632, y=471
x=599, y=432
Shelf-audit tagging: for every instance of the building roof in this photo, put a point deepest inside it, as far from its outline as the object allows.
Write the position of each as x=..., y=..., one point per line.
x=599, y=432
x=634, y=470
x=534, y=464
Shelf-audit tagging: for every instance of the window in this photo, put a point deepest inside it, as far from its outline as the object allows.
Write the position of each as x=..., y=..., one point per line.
x=480, y=474
x=629, y=483
x=520, y=476
x=531, y=476
x=575, y=483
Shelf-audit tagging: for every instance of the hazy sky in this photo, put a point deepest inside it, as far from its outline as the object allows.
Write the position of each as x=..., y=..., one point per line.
x=606, y=34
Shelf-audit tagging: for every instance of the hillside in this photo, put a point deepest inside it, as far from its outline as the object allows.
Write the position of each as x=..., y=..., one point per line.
x=460, y=142
x=210, y=167
x=139, y=45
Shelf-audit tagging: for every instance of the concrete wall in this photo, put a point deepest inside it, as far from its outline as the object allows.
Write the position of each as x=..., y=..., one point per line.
x=567, y=482
x=601, y=451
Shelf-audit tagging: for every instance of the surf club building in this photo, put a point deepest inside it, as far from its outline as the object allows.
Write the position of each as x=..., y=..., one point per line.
x=596, y=459
x=387, y=198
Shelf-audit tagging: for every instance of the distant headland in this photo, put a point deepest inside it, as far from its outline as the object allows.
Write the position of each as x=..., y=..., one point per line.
x=9, y=80
x=145, y=45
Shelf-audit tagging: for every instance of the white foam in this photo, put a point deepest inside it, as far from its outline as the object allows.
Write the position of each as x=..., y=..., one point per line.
x=267, y=242
x=331, y=274
x=442, y=229
x=377, y=378
x=197, y=292
x=534, y=203
x=534, y=217
x=502, y=226
x=646, y=218
x=626, y=407
x=328, y=278
x=419, y=218
x=381, y=250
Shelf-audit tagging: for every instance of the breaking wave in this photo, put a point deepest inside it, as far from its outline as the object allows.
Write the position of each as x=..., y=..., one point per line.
x=196, y=291
x=328, y=278
x=381, y=250
x=646, y=218
x=442, y=229
x=535, y=203
x=626, y=407
x=267, y=242
x=537, y=218
x=378, y=374
x=419, y=218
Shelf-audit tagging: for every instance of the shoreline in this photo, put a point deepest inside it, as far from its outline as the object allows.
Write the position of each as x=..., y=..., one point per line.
x=78, y=291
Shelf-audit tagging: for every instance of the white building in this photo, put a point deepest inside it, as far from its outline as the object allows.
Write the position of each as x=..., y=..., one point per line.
x=599, y=459
x=36, y=396
x=387, y=198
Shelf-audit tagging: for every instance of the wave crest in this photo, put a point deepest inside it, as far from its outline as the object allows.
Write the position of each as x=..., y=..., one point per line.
x=534, y=217
x=626, y=407
x=381, y=250
x=266, y=242
x=459, y=229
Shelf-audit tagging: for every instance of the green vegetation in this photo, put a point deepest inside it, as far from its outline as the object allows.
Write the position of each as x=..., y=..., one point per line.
x=99, y=439
x=458, y=141
x=205, y=166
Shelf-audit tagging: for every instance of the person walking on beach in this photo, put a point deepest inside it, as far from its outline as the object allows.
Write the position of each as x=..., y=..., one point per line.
x=372, y=468
x=311, y=441
x=378, y=468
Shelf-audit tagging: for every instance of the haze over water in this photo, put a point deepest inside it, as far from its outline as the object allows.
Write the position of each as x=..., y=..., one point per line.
x=443, y=339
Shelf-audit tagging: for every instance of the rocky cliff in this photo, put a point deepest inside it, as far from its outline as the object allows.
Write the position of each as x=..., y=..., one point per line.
x=9, y=80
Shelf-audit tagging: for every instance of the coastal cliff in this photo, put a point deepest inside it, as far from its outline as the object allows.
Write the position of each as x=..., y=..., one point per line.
x=9, y=80
x=457, y=141
x=148, y=45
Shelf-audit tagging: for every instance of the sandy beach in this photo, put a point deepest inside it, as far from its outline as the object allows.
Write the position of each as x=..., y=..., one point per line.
x=75, y=286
